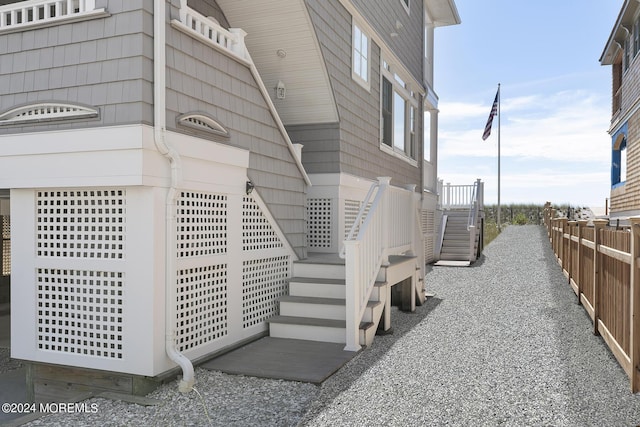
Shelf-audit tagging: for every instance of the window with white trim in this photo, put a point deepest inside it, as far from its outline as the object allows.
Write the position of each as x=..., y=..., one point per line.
x=360, y=56
x=398, y=106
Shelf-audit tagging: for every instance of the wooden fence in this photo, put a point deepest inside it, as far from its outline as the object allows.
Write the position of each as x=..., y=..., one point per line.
x=601, y=265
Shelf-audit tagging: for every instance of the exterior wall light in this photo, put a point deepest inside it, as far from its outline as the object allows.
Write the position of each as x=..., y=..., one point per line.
x=281, y=90
x=249, y=187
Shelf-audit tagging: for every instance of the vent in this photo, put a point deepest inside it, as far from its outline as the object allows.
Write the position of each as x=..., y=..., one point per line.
x=203, y=123
x=46, y=112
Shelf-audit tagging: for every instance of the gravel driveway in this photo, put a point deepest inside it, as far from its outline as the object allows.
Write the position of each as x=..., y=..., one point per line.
x=502, y=343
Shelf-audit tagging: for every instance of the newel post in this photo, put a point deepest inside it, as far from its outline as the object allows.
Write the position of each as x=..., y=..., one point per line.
x=385, y=209
x=581, y=226
x=352, y=297
x=599, y=225
x=634, y=297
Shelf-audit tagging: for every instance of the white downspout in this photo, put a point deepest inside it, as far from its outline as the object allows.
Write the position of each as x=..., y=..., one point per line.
x=159, y=131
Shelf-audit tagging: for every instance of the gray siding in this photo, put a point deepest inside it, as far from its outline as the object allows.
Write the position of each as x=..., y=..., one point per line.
x=321, y=152
x=382, y=15
x=359, y=109
x=199, y=78
x=105, y=63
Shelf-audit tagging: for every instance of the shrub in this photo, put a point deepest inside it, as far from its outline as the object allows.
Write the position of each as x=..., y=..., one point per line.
x=520, y=219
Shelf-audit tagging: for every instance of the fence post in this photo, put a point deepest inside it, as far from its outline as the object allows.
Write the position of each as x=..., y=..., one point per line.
x=581, y=225
x=571, y=226
x=563, y=226
x=634, y=297
x=598, y=224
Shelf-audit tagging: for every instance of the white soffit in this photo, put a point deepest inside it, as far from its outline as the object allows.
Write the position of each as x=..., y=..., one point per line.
x=285, y=25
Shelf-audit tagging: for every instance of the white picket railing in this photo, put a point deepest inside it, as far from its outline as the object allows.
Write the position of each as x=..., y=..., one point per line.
x=231, y=40
x=455, y=196
x=387, y=227
x=33, y=12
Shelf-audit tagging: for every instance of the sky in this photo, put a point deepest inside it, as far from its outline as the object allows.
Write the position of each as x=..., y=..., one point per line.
x=555, y=99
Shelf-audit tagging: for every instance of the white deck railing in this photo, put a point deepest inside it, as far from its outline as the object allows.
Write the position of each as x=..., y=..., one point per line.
x=387, y=227
x=455, y=196
x=36, y=12
x=230, y=41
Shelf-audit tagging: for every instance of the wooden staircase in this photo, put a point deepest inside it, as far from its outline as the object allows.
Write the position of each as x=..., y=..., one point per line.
x=315, y=308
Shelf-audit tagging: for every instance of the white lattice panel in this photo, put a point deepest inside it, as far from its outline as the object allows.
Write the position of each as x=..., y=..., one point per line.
x=257, y=232
x=202, y=307
x=428, y=228
x=319, y=226
x=6, y=245
x=81, y=224
x=80, y=312
x=263, y=282
x=351, y=209
x=202, y=224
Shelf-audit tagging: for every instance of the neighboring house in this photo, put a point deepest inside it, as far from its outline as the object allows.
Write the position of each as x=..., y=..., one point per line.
x=621, y=53
x=169, y=164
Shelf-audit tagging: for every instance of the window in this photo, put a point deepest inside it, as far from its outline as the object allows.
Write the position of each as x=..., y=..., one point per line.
x=619, y=158
x=636, y=36
x=398, y=107
x=426, y=135
x=407, y=5
x=360, y=54
x=387, y=111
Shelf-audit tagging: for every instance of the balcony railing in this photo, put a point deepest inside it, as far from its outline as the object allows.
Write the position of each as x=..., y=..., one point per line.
x=229, y=41
x=25, y=14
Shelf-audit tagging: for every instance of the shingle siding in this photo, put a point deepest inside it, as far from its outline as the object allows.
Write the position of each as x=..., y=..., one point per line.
x=200, y=78
x=104, y=62
x=358, y=108
x=407, y=45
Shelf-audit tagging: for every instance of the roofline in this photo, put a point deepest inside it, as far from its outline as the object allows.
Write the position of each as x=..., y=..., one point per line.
x=618, y=31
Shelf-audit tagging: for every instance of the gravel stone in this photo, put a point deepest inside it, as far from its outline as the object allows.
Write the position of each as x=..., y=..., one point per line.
x=503, y=342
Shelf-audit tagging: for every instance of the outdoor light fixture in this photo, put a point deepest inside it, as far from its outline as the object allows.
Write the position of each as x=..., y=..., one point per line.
x=249, y=187
x=281, y=90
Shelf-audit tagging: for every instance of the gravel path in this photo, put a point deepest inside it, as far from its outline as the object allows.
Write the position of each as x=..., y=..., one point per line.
x=502, y=343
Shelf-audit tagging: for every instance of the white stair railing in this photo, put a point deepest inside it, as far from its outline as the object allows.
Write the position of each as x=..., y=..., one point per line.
x=386, y=228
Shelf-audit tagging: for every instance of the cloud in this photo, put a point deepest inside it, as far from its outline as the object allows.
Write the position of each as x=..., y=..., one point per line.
x=567, y=125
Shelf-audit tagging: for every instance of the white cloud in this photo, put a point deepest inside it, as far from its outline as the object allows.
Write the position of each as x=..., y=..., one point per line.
x=568, y=125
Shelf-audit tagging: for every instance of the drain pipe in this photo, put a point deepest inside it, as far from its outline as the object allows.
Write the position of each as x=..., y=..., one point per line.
x=159, y=136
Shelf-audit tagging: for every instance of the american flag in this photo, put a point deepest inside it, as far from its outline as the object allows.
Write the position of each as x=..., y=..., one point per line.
x=492, y=114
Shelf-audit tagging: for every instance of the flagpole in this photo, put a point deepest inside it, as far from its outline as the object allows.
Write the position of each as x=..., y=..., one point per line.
x=498, y=156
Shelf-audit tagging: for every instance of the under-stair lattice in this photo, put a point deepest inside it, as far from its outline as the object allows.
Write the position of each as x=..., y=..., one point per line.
x=202, y=306
x=429, y=229
x=263, y=282
x=264, y=276
x=202, y=224
x=202, y=289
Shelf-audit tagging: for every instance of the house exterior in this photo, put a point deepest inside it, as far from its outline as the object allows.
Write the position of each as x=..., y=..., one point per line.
x=169, y=162
x=621, y=53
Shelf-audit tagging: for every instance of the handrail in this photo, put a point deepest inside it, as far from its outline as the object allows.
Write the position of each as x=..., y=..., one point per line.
x=370, y=242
